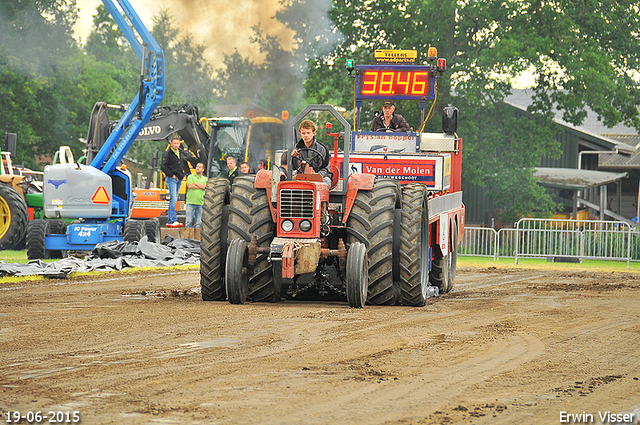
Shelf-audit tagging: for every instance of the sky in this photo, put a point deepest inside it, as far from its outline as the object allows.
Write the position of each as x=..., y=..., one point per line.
x=220, y=25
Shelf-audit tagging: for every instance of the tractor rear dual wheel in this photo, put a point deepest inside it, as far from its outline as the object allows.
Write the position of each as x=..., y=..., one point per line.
x=371, y=222
x=249, y=216
x=21, y=244
x=453, y=258
x=213, y=243
x=414, y=245
x=14, y=217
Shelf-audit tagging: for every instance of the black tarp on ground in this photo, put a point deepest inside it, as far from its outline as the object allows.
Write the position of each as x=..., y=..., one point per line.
x=114, y=256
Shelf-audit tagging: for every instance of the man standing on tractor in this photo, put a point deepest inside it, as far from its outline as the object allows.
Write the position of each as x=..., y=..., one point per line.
x=311, y=151
x=174, y=166
x=389, y=121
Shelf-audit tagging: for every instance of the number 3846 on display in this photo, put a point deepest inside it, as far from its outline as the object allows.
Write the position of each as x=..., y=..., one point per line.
x=398, y=83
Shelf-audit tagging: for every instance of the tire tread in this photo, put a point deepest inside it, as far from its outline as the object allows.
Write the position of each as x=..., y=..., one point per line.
x=371, y=223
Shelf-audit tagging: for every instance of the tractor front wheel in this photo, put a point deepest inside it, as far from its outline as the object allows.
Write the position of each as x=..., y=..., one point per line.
x=237, y=272
x=357, y=278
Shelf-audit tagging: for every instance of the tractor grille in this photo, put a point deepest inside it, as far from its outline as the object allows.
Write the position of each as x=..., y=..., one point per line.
x=296, y=203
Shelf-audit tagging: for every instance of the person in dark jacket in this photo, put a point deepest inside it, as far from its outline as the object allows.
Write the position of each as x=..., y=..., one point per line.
x=174, y=166
x=388, y=121
x=313, y=152
x=234, y=171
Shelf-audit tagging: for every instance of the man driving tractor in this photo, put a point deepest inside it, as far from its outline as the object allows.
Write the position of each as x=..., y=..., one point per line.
x=311, y=151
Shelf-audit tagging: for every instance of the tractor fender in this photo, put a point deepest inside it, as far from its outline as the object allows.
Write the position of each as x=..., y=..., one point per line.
x=14, y=181
x=356, y=183
x=263, y=181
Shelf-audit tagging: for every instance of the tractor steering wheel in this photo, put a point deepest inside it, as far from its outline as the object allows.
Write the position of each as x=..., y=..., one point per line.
x=393, y=130
x=306, y=161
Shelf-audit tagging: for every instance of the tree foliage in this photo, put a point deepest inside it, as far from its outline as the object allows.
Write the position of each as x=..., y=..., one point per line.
x=277, y=82
x=50, y=84
x=189, y=75
x=238, y=80
x=37, y=72
x=108, y=45
x=581, y=54
x=37, y=34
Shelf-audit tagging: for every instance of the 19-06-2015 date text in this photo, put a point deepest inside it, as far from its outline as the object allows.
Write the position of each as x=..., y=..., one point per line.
x=37, y=417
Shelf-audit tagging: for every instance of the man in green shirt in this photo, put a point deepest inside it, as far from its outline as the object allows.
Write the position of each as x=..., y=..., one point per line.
x=196, y=184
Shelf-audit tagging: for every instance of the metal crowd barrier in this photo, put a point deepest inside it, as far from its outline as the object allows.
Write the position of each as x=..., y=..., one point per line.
x=543, y=238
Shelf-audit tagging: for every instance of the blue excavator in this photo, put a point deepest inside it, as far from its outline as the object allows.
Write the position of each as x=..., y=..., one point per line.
x=99, y=196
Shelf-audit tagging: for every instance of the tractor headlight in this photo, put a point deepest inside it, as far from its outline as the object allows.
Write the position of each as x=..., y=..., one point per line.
x=287, y=225
x=305, y=225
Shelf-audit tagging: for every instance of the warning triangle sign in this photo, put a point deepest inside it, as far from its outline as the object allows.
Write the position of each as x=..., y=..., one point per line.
x=101, y=196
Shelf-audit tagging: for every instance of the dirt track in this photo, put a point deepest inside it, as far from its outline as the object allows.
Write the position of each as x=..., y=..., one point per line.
x=507, y=346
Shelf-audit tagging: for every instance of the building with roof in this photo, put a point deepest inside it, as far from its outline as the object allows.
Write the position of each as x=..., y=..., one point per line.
x=597, y=172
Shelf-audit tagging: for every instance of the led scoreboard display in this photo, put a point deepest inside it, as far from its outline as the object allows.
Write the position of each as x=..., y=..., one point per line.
x=398, y=82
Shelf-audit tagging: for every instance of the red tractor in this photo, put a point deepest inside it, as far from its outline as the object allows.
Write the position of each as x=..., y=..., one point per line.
x=377, y=234
x=385, y=233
